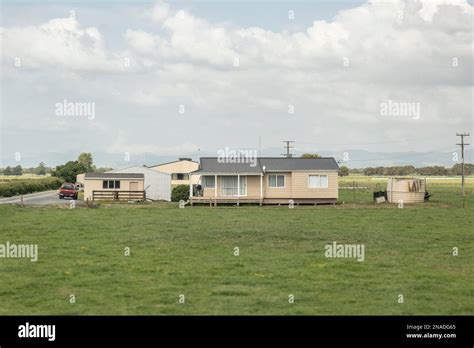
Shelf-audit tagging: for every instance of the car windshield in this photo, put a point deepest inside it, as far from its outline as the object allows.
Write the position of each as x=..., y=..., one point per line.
x=68, y=187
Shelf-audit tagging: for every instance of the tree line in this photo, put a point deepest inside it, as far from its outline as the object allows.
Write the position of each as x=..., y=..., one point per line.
x=402, y=170
x=412, y=170
x=67, y=172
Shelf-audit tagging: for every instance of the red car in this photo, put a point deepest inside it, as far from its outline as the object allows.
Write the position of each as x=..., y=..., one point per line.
x=68, y=190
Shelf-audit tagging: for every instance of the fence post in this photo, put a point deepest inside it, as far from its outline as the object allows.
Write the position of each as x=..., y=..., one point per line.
x=354, y=190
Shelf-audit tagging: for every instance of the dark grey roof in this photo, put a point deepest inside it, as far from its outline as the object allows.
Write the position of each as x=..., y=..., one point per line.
x=215, y=165
x=298, y=163
x=114, y=176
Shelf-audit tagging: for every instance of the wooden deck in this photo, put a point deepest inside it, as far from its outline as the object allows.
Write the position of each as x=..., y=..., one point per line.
x=225, y=200
x=261, y=201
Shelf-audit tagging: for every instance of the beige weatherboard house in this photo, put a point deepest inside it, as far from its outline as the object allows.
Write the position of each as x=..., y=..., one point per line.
x=179, y=170
x=266, y=180
x=114, y=186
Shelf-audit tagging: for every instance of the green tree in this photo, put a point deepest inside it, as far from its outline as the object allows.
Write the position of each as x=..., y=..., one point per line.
x=41, y=169
x=7, y=171
x=344, y=171
x=17, y=170
x=68, y=172
x=369, y=171
x=85, y=159
x=310, y=155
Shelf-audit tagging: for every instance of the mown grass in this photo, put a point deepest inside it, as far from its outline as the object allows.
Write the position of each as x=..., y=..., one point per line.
x=191, y=251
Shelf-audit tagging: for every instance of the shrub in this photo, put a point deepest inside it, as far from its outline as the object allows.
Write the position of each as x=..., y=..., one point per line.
x=180, y=192
x=21, y=187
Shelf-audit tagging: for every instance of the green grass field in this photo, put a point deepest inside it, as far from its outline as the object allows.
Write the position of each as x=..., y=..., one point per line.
x=190, y=251
x=7, y=178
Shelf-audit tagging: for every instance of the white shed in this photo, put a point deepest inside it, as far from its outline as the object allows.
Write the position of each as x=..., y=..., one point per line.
x=157, y=184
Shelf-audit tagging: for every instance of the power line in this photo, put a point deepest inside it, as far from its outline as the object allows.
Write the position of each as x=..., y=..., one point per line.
x=462, y=135
x=288, y=147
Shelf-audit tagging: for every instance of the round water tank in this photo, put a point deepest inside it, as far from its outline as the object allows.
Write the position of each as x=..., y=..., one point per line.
x=407, y=190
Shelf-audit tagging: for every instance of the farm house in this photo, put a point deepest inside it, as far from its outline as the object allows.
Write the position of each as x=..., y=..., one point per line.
x=179, y=170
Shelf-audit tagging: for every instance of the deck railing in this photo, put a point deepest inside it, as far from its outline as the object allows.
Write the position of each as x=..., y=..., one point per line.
x=118, y=195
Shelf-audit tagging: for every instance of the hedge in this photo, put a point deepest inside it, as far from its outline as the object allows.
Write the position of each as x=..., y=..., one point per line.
x=21, y=187
x=180, y=192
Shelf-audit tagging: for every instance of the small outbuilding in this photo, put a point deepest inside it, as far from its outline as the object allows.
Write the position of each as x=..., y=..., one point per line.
x=407, y=190
x=114, y=186
x=157, y=185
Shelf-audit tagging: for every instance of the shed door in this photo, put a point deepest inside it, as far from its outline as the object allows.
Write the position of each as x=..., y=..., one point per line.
x=134, y=186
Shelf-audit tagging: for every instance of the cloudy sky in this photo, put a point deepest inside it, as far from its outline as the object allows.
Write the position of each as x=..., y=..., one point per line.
x=192, y=77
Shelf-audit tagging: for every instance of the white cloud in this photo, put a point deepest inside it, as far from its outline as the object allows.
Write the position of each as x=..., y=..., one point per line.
x=60, y=42
x=160, y=12
x=141, y=41
x=395, y=50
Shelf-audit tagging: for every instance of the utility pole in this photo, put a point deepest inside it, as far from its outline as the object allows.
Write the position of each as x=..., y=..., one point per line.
x=462, y=157
x=288, y=147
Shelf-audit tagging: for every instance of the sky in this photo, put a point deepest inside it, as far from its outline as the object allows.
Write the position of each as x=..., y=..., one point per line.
x=174, y=79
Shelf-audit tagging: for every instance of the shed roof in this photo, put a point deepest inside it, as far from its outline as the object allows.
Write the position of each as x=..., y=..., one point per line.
x=115, y=176
x=140, y=169
x=176, y=161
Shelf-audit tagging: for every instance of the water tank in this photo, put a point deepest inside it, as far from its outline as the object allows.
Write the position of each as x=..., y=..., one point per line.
x=408, y=190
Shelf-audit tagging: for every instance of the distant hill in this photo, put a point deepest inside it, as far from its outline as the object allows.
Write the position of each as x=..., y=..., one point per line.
x=357, y=158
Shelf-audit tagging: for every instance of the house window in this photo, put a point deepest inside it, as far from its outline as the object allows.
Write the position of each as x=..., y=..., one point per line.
x=179, y=176
x=276, y=180
x=318, y=181
x=208, y=181
x=229, y=186
x=111, y=184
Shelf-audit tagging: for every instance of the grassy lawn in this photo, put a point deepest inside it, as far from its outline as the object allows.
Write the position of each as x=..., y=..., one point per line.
x=191, y=251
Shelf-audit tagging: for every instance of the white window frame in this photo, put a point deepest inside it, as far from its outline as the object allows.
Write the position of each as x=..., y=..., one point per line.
x=204, y=181
x=174, y=176
x=114, y=181
x=242, y=177
x=276, y=181
x=319, y=181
